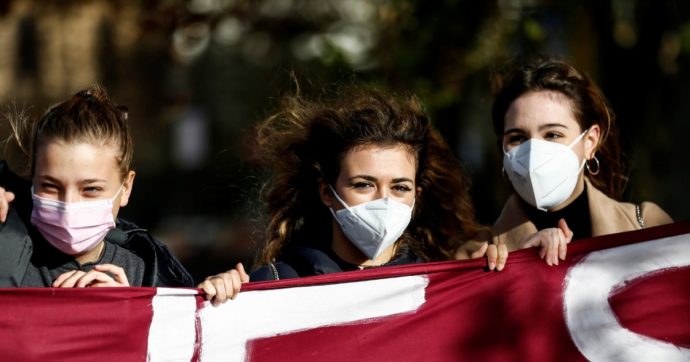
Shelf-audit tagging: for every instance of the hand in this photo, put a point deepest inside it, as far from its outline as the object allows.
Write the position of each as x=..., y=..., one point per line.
x=220, y=287
x=96, y=277
x=496, y=254
x=6, y=198
x=553, y=242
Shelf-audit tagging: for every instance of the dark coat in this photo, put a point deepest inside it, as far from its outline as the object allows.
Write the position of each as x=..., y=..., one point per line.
x=304, y=261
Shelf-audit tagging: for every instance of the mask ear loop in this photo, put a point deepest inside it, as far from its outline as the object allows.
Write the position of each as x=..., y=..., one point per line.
x=578, y=138
x=122, y=187
x=596, y=160
x=338, y=197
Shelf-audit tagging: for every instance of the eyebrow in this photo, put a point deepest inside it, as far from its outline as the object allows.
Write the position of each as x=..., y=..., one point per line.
x=82, y=182
x=540, y=128
x=372, y=178
x=48, y=178
x=92, y=181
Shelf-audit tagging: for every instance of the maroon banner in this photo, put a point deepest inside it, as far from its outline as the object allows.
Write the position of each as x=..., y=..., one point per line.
x=618, y=297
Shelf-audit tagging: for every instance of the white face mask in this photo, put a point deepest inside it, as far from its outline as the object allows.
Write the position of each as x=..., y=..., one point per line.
x=543, y=173
x=375, y=225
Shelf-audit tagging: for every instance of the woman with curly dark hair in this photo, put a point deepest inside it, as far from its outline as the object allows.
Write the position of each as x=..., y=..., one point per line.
x=361, y=181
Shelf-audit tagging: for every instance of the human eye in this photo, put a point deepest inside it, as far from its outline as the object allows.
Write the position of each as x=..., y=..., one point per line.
x=553, y=136
x=48, y=187
x=92, y=191
x=515, y=138
x=362, y=185
x=402, y=188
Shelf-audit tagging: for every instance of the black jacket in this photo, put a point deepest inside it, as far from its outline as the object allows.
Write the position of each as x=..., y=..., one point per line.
x=303, y=261
x=18, y=239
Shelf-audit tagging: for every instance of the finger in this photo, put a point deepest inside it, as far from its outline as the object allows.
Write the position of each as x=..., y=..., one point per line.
x=221, y=293
x=549, y=252
x=71, y=281
x=208, y=288
x=562, y=249
x=502, y=256
x=94, y=275
x=542, y=251
x=565, y=229
x=244, y=277
x=118, y=273
x=491, y=256
x=235, y=284
x=62, y=277
x=554, y=252
x=557, y=238
x=99, y=284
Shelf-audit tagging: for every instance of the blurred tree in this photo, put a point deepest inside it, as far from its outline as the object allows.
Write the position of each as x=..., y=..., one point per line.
x=198, y=74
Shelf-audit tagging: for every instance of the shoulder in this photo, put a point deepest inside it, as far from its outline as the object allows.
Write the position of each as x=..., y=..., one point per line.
x=274, y=271
x=17, y=250
x=512, y=225
x=654, y=215
x=163, y=269
x=611, y=216
x=299, y=261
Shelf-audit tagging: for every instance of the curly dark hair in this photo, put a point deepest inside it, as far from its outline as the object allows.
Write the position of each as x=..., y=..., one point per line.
x=588, y=103
x=305, y=142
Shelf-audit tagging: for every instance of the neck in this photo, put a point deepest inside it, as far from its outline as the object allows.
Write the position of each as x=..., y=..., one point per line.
x=92, y=255
x=579, y=188
x=348, y=252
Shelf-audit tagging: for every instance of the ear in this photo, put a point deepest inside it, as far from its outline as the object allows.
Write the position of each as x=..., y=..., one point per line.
x=325, y=194
x=592, y=141
x=127, y=188
x=418, y=191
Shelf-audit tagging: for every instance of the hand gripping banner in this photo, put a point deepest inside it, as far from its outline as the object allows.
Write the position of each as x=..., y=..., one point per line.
x=621, y=297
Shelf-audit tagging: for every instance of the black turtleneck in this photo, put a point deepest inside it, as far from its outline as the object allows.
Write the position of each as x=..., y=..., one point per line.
x=576, y=215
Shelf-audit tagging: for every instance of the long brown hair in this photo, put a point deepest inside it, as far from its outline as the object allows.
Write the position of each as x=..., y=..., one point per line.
x=87, y=116
x=588, y=104
x=305, y=142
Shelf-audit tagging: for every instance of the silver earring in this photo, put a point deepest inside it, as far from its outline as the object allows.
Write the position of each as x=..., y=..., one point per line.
x=598, y=166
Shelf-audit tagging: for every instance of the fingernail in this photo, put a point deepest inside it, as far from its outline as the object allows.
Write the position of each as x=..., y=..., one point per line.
x=492, y=266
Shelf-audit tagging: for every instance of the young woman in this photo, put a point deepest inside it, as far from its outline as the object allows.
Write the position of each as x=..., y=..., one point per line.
x=561, y=155
x=357, y=182
x=81, y=153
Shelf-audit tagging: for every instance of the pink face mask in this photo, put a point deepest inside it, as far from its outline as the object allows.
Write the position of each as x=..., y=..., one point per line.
x=75, y=227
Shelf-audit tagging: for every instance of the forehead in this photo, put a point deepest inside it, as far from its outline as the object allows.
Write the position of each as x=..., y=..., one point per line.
x=393, y=161
x=534, y=109
x=63, y=159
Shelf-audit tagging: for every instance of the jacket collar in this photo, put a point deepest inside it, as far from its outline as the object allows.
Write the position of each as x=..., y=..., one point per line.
x=607, y=217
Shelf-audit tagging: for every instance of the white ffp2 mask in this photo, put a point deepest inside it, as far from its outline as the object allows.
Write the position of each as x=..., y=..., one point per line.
x=543, y=173
x=375, y=225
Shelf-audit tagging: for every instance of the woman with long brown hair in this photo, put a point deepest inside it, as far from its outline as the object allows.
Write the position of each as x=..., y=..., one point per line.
x=561, y=155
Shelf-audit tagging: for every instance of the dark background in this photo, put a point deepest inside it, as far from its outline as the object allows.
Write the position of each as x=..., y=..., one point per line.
x=197, y=75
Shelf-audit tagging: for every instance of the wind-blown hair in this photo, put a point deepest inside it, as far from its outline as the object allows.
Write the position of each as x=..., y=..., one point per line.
x=305, y=142
x=87, y=116
x=588, y=104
